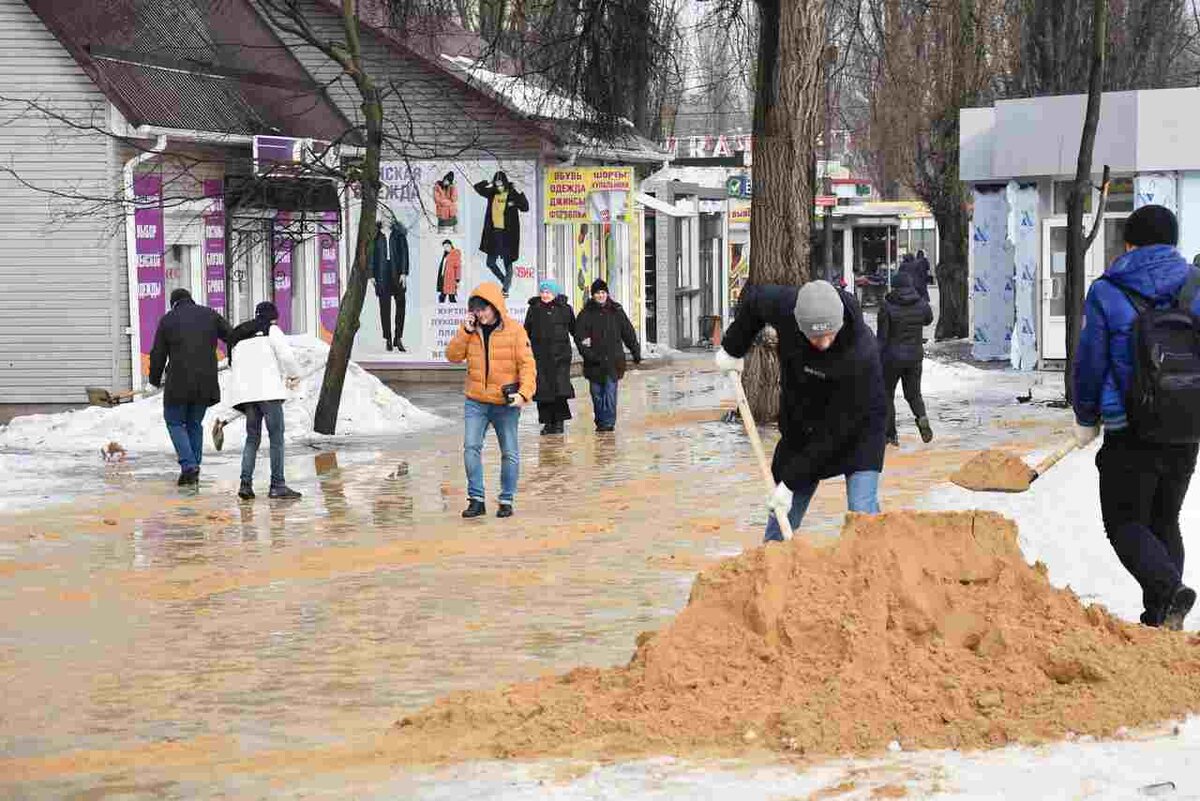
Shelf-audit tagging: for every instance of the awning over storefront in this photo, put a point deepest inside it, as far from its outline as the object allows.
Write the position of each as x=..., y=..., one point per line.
x=662, y=206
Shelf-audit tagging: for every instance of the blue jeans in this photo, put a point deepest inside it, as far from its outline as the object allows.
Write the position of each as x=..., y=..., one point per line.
x=272, y=412
x=185, y=424
x=862, y=495
x=604, y=401
x=476, y=419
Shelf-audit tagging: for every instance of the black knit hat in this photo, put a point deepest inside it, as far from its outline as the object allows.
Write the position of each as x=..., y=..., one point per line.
x=1152, y=225
x=179, y=295
x=266, y=311
x=599, y=285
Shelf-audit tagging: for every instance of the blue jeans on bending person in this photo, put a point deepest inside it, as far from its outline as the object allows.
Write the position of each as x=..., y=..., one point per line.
x=477, y=417
x=862, y=495
x=256, y=413
x=185, y=424
x=604, y=402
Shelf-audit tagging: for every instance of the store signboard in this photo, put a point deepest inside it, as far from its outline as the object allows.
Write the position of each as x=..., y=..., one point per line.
x=329, y=276
x=149, y=244
x=283, y=249
x=588, y=194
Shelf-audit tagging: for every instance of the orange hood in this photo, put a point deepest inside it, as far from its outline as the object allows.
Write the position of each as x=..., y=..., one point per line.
x=493, y=294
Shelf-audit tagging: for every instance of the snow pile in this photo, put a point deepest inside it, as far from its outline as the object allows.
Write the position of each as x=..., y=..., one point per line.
x=653, y=350
x=368, y=408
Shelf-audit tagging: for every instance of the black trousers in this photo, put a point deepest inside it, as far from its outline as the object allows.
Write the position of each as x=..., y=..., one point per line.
x=1142, y=487
x=556, y=411
x=385, y=314
x=908, y=376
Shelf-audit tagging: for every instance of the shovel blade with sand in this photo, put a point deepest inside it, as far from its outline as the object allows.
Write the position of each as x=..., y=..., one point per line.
x=1000, y=471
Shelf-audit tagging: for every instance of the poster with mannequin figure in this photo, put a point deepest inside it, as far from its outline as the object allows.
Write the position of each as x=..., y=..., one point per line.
x=444, y=228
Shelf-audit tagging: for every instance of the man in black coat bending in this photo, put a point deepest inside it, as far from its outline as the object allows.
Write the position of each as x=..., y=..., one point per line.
x=185, y=345
x=833, y=412
x=902, y=321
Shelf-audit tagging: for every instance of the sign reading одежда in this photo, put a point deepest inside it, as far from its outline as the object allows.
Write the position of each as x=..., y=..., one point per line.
x=588, y=194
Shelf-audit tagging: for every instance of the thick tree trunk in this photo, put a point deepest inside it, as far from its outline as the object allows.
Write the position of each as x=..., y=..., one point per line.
x=791, y=41
x=953, y=314
x=325, y=418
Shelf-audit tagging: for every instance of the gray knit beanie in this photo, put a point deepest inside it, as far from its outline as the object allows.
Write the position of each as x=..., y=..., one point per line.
x=819, y=309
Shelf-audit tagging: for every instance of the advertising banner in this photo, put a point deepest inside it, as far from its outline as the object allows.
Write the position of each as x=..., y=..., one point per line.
x=329, y=276
x=588, y=194
x=739, y=271
x=992, y=284
x=214, y=247
x=1155, y=189
x=282, y=250
x=446, y=227
x=739, y=214
x=1023, y=222
x=149, y=246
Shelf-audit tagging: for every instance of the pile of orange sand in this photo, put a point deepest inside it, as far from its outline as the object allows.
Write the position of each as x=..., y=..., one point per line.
x=929, y=629
x=994, y=471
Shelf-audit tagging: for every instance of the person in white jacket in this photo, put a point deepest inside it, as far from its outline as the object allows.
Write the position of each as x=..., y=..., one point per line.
x=262, y=370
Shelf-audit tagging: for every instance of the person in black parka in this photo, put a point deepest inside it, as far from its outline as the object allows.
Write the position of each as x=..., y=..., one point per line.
x=833, y=412
x=550, y=323
x=918, y=269
x=185, y=347
x=902, y=320
x=602, y=332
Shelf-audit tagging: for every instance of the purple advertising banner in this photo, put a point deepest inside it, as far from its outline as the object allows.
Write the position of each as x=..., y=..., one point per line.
x=329, y=275
x=214, y=247
x=282, y=273
x=148, y=247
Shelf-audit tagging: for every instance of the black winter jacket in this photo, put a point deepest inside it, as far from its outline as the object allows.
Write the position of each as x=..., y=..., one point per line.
x=902, y=320
x=833, y=409
x=398, y=250
x=919, y=270
x=185, y=345
x=606, y=328
x=516, y=203
x=550, y=328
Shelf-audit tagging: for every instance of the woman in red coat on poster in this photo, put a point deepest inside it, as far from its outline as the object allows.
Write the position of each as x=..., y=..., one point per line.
x=449, y=272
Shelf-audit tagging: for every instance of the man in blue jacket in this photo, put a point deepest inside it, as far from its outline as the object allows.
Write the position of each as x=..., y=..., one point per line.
x=1142, y=484
x=832, y=411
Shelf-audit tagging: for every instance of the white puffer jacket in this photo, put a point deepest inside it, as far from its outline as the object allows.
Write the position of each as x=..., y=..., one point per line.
x=259, y=367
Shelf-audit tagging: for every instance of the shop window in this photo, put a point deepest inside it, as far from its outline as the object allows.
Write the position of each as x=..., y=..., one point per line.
x=1120, y=195
x=1062, y=191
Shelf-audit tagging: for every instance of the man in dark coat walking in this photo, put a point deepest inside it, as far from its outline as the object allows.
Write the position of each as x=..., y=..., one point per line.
x=602, y=332
x=902, y=320
x=185, y=346
x=918, y=270
x=550, y=323
x=501, y=238
x=832, y=407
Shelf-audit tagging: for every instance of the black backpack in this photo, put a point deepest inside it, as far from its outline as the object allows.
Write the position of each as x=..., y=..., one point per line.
x=1163, y=401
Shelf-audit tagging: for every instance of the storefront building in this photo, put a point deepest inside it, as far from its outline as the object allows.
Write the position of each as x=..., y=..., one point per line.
x=1019, y=158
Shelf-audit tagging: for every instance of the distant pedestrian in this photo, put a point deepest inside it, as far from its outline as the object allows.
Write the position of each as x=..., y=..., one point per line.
x=501, y=379
x=918, y=269
x=602, y=332
x=1150, y=439
x=550, y=323
x=263, y=371
x=902, y=319
x=832, y=413
x=185, y=346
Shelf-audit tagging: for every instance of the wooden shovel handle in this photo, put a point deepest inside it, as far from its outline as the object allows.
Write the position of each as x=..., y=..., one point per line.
x=1053, y=458
x=785, y=525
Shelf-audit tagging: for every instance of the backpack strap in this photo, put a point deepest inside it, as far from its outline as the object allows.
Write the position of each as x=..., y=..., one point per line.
x=1137, y=300
x=1191, y=288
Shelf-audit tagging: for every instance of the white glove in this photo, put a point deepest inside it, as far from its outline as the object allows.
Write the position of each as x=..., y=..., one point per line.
x=1085, y=434
x=516, y=400
x=729, y=364
x=781, y=499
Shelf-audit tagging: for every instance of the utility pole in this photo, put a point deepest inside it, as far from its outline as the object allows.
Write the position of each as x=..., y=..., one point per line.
x=827, y=184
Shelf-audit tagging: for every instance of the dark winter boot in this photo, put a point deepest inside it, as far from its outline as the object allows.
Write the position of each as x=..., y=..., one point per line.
x=893, y=440
x=505, y=510
x=189, y=478
x=547, y=429
x=475, y=509
x=925, y=429
x=387, y=343
x=558, y=428
x=283, y=492
x=246, y=491
x=1178, y=607
x=400, y=346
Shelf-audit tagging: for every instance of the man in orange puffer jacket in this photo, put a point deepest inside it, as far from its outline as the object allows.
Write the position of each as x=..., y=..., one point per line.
x=501, y=379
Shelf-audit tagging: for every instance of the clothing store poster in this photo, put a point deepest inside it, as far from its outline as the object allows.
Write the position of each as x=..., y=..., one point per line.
x=447, y=226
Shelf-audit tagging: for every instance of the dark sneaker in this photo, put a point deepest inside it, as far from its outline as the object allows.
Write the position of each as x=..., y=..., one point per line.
x=400, y=347
x=894, y=441
x=547, y=429
x=475, y=509
x=605, y=429
x=1178, y=607
x=283, y=493
x=558, y=428
x=246, y=491
x=189, y=478
x=387, y=343
x=925, y=429
x=505, y=510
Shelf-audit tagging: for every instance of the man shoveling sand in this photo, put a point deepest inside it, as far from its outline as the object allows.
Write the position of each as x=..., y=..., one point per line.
x=927, y=629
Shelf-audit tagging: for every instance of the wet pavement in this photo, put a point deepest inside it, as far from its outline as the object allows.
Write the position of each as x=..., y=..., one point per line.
x=159, y=643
